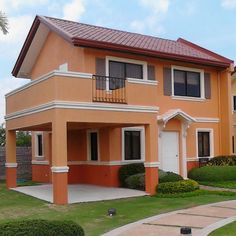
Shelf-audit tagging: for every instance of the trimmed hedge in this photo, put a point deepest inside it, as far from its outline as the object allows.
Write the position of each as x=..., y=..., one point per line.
x=222, y=161
x=136, y=181
x=169, y=177
x=213, y=173
x=128, y=170
x=181, y=186
x=41, y=228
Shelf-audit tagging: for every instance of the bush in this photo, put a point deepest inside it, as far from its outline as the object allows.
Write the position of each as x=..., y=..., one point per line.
x=169, y=177
x=128, y=170
x=136, y=181
x=213, y=173
x=41, y=228
x=222, y=161
x=181, y=186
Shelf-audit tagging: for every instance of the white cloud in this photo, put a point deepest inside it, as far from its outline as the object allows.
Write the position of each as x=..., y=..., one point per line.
x=73, y=10
x=228, y=4
x=6, y=85
x=153, y=22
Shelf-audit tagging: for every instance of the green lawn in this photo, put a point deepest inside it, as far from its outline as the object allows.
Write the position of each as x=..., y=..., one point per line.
x=93, y=216
x=228, y=230
x=221, y=184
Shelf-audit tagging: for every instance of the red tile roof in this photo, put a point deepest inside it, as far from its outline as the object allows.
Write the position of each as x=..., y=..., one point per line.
x=101, y=37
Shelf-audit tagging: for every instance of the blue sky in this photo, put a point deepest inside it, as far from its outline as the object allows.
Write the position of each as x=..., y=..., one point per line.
x=209, y=23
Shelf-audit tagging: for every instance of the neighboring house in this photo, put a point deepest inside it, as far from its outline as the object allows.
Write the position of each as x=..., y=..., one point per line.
x=233, y=89
x=100, y=98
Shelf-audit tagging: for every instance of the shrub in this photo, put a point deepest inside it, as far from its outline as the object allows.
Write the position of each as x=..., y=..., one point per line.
x=161, y=173
x=41, y=228
x=213, y=173
x=169, y=177
x=222, y=161
x=136, y=181
x=181, y=186
x=128, y=170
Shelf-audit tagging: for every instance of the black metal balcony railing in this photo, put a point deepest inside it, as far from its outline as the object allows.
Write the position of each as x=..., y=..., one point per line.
x=109, y=89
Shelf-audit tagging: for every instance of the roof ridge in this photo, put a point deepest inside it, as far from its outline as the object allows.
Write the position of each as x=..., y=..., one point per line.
x=102, y=27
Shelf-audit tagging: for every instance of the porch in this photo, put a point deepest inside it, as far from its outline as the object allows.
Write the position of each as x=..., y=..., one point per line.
x=78, y=193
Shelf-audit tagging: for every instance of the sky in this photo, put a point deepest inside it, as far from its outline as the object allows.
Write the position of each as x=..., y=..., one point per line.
x=208, y=23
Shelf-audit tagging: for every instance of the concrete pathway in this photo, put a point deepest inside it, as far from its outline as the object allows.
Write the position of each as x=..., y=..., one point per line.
x=202, y=219
x=80, y=192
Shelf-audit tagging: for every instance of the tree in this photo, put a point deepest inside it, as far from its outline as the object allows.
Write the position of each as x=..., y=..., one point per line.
x=23, y=138
x=3, y=23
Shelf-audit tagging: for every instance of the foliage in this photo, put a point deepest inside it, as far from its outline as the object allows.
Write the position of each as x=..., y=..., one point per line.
x=227, y=230
x=169, y=177
x=41, y=228
x=222, y=161
x=220, y=184
x=2, y=135
x=130, y=169
x=3, y=23
x=136, y=181
x=181, y=186
x=213, y=173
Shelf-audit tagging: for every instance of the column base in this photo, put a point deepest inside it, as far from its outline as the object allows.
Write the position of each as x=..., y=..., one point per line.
x=60, y=185
x=151, y=179
x=11, y=175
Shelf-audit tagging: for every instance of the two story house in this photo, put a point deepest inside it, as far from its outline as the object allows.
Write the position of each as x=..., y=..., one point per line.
x=100, y=98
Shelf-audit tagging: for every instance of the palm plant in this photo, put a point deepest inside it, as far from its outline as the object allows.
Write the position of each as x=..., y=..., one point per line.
x=3, y=23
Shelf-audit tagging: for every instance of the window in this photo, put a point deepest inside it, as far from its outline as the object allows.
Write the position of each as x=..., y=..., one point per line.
x=39, y=145
x=93, y=145
x=125, y=70
x=187, y=83
x=234, y=103
x=132, y=145
x=204, y=144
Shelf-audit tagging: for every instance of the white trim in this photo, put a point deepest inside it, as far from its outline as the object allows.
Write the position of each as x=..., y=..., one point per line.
x=152, y=164
x=48, y=76
x=60, y=169
x=192, y=159
x=36, y=162
x=10, y=165
x=142, y=143
x=81, y=106
x=202, y=84
x=207, y=120
x=37, y=156
x=211, y=136
x=89, y=145
x=141, y=81
x=102, y=163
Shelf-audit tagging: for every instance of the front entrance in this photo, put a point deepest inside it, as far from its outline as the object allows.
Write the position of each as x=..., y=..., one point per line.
x=170, y=151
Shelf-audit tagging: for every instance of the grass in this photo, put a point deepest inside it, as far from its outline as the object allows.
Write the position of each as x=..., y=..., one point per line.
x=93, y=216
x=228, y=230
x=220, y=184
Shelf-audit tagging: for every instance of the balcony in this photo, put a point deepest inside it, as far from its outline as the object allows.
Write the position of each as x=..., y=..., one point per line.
x=83, y=88
x=109, y=89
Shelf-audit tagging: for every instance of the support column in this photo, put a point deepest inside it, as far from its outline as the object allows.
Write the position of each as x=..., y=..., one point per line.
x=151, y=158
x=11, y=165
x=59, y=162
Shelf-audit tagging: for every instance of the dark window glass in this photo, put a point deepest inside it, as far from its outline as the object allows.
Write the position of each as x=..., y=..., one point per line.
x=187, y=83
x=233, y=149
x=132, y=145
x=203, y=144
x=234, y=103
x=116, y=69
x=134, y=71
x=93, y=146
x=40, y=144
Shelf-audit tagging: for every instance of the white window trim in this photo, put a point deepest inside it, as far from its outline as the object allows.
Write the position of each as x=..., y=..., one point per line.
x=127, y=60
x=89, y=145
x=211, y=131
x=202, y=84
x=142, y=143
x=37, y=156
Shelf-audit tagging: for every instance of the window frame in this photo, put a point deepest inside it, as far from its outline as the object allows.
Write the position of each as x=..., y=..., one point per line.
x=89, y=145
x=202, y=84
x=211, y=141
x=37, y=156
x=142, y=144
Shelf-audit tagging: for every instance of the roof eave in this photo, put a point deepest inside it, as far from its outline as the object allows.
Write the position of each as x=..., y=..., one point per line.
x=111, y=46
